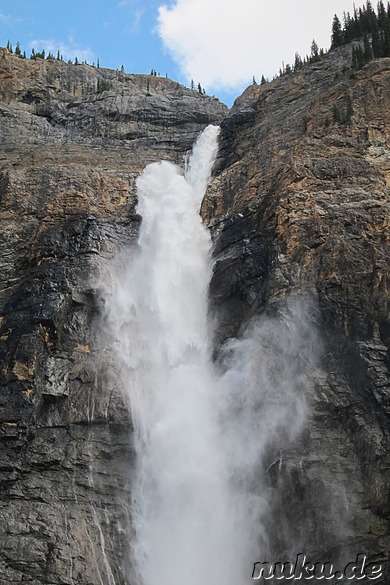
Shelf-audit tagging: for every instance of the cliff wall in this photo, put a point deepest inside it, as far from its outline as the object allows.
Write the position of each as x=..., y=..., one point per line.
x=298, y=208
x=73, y=140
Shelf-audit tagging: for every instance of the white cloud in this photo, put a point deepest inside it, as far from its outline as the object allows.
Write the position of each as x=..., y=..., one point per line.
x=135, y=25
x=68, y=50
x=123, y=3
x=5, y=18
x=223, y=43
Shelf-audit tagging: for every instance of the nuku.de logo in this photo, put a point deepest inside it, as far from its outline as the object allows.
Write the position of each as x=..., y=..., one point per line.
x=303, y=569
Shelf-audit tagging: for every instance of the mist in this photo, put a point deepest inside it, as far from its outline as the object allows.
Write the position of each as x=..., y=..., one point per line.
x=205, y=432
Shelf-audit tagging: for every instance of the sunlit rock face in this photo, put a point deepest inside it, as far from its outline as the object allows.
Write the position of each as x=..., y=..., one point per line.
x=73, y=141
x=300, y=205
x=298, y=211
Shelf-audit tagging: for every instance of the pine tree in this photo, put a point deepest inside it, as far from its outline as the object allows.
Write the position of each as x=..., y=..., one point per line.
x=337, y=38
x=386, y=39
x=382, y=16
x=349, y=32
x=263, y=80
x=368, y=53
x=358, y=56
x=350, y=111
x=17, y=49
x=314, y=54
x=377, y=43
x=298, y=62
x=336, y=115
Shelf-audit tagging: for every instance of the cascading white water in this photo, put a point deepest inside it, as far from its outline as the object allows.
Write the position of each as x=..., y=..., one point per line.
x=184, y=524
x=198, y=439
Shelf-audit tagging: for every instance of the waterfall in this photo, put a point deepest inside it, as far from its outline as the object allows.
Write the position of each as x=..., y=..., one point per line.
x=184, y=525
x=196, y=500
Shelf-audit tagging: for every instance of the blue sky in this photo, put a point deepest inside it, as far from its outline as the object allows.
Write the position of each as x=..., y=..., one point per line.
x=220, y=43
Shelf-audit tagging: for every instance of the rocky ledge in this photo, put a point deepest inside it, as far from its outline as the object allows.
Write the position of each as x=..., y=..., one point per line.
x=299, y=208
x=73, y=141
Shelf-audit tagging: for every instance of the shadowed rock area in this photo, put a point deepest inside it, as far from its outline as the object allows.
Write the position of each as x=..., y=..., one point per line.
x=298, y=208
x=73, y=140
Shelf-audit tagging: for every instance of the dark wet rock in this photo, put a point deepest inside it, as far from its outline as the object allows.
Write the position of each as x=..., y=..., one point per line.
x=298, y=206
x=73, y=141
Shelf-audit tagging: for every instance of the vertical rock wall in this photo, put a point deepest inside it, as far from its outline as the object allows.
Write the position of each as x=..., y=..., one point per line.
x=299, y=208
x=73, y=140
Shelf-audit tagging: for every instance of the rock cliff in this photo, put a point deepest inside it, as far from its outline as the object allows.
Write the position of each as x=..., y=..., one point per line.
x=73, y=140
x=299, y=205
x=298, y=208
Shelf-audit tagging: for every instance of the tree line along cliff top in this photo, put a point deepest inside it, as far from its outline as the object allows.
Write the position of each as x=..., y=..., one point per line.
x=369, y=26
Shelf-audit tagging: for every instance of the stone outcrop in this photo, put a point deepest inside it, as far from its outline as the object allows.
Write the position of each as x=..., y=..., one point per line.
x=299, y=205
x=73, y=140
x=298, y=208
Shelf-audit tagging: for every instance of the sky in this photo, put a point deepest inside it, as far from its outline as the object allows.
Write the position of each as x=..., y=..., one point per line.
x=221, y=44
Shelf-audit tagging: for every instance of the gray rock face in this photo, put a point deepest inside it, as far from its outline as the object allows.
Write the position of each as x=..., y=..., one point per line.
x=73, y=140
x=298, y=209
x=299, y=205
